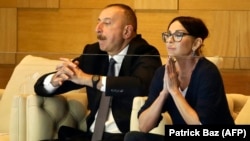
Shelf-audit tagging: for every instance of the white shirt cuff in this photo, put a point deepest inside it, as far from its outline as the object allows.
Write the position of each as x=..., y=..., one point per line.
x=103, y=88
x=47, y=85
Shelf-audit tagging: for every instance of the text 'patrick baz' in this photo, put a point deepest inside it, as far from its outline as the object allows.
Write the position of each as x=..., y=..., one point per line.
x=221, y=132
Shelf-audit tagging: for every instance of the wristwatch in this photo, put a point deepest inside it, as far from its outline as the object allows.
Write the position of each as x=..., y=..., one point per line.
x=95, y=80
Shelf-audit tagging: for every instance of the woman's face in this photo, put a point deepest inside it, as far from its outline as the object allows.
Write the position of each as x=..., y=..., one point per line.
x=182, y=47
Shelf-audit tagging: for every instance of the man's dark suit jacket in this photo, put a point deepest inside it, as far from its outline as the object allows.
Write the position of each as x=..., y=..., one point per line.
x=135, y=75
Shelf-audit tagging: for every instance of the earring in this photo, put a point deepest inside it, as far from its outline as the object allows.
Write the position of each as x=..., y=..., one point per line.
x=193, y=53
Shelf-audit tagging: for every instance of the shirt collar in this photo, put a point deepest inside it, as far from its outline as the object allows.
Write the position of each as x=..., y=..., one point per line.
x=120, y=56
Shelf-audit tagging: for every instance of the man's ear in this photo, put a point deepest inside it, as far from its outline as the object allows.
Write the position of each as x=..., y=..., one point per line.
x=127, y=32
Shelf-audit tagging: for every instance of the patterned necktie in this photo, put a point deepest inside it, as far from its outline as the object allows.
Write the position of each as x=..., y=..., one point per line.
x=103, y=108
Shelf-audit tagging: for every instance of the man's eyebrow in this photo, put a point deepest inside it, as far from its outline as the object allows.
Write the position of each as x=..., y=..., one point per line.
x=105, y=19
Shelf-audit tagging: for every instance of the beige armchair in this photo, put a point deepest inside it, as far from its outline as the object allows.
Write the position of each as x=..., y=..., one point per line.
x=25, y=116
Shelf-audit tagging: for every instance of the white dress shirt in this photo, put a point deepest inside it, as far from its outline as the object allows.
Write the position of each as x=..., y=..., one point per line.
x=110, y=125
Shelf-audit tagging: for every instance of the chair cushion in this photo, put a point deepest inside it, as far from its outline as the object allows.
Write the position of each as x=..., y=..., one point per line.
x=45, y=115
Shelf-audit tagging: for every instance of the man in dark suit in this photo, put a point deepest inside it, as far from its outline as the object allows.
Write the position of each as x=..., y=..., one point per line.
x=136, y=62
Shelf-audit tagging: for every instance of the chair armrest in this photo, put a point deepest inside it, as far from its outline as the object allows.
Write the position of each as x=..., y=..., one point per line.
x=134, y=123
x=45, y=115
x=244, y=116
x=236, y=102
x=18, y=118
x=1, y=93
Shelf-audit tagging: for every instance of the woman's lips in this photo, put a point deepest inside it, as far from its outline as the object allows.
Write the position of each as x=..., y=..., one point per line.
x=171, y=48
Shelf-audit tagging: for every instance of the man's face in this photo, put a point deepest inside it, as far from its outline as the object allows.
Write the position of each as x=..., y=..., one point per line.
x=110, y=28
